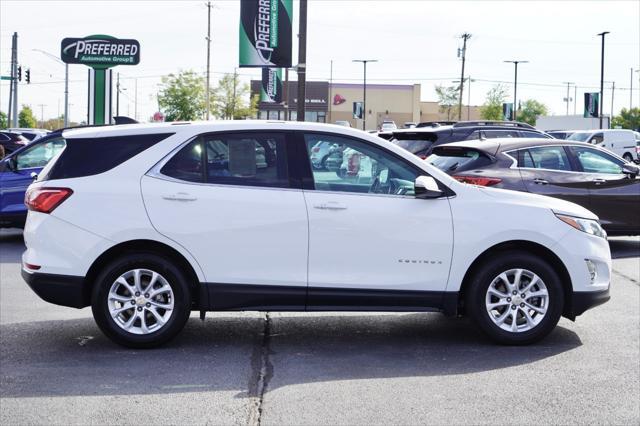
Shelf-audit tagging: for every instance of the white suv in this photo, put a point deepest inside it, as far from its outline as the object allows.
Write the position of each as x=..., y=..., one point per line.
x=146, y=223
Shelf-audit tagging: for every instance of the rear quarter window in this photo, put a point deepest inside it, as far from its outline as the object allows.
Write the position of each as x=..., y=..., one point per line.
x=91, y=156
x=457, y=160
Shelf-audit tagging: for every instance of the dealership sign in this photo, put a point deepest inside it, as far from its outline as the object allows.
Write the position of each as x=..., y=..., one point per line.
x=265, y=33
x=100, y=51
x=271, y=90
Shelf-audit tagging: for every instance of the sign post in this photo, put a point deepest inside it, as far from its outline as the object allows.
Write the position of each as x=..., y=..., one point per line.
x=100, y=53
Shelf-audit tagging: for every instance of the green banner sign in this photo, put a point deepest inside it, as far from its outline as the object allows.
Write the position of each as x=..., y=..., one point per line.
x=271, y=87
x=265, y=33
x=100, y=51
x=591, y=105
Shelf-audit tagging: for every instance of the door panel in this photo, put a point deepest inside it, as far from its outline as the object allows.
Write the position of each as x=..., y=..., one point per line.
x=225, y=198
x=368, y=232
x=616, y=201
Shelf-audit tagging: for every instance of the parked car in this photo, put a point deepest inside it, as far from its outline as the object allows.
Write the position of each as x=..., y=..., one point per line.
x=578, y=172
x=409, y=125
x=344, y=123
x=146, y=234
x=388, y=125
x=560, y=134
x=320, y=152
x=12, y=141
x=16, y=174
x=421, y=140
x=619, y=141
x=31, y=134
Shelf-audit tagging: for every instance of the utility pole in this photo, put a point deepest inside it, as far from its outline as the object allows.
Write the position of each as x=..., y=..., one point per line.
x=208, y=56
x=66, y=83
x=285, y=94
x=602, y=34
x=613, y=89
x=118, y=94
x=330, y=89
x=14, y=74
x=41, y=114
x=465, y=37
x=135, y=110
x=515, y=87
x=575, y=99
x=233, y=101
x=364, y=96
x=302, y=61
x=469, y=100
x=568, y=98
x=631, y=90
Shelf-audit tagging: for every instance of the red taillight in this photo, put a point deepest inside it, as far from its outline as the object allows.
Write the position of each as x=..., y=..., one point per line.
x=478, y=180
x=45, y=200
x=31, y=266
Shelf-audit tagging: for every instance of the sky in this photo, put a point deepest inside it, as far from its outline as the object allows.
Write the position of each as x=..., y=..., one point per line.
x=415, y=42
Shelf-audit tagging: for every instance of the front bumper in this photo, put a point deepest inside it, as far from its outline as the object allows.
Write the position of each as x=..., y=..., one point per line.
x=64, y=290
x=584, y=300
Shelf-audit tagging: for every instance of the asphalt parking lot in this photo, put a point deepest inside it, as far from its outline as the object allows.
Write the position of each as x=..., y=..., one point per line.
x=283, y=368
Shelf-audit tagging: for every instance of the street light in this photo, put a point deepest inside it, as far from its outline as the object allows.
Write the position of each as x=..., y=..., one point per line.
x=364, y=101
x=515, y=86
x=66, y=84
x=602, y=34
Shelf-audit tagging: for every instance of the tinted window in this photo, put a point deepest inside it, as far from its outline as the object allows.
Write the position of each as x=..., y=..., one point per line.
x=491, y=134
x=548, y=157
x=451, y=160
x=594, y=161
x=474, y=135
x=530, y=134
x=39, y=155
x=252, y=159
x=413, y=146
x=581, y=137
x=362, y=168
x=597, y=138
x=91, y=156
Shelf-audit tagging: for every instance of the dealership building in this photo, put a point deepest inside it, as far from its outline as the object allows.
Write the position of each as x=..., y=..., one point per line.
x=330, y=102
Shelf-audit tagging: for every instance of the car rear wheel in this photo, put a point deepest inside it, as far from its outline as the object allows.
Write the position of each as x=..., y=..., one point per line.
x=141, y=300
x=627, y=157
x=516, y=298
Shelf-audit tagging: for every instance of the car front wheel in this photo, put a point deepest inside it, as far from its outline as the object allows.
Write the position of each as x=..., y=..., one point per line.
x=516, y=298
x=141, y=300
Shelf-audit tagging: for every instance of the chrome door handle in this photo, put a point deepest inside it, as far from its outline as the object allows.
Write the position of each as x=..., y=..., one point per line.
x=180, y=196
x=540, y=181
x=331, y=205
x=599, y=181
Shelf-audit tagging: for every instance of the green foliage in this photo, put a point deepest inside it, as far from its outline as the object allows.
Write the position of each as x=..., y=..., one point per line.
x=448, y=99
x=231, y=99
x=492, y=107
x=26, y=118
x=3, y=120
x=628, y=119
x=531, y=110
x=183, y=97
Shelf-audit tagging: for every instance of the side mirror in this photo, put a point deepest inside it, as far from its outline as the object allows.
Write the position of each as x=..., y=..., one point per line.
x=630, y=169
x=426, y=187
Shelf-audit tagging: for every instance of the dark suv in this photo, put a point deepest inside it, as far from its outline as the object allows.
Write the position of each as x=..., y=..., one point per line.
x=421, y=141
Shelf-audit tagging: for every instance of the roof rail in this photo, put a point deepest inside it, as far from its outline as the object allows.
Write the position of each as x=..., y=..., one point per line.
x=119, y=120
x=435, y=123
x=494, y=123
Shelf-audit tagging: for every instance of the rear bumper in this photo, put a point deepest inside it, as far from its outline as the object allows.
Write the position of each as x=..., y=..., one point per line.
x=13, y=220
x=64, y=290
x=584, y=300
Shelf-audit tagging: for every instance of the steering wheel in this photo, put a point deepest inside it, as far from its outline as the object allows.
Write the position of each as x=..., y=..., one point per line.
x=375, y=187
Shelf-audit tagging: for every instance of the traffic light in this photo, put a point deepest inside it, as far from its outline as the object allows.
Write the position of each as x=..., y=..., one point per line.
x=27, y=75
x=19, y=73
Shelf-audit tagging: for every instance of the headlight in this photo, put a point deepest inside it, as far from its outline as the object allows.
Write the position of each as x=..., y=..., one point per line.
x=585, y=225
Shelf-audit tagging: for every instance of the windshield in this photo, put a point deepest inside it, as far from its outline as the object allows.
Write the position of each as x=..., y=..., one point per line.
x=581, y=137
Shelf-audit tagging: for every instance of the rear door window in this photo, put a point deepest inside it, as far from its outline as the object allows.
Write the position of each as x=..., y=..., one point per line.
x=491, y=134
x=248, y=159
x=547, y=157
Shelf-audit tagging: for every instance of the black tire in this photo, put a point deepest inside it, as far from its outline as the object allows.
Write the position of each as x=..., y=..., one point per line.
x=176, y=280
x=627, y=157
x=504, y=261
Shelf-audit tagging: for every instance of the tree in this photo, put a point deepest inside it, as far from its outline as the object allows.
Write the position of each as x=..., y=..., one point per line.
x=531, y=110
x=26, y=118
x=3, y=120
x=492, y=107
x=231, y=99
x=182, y=96
x=448, y=99
x=628, y=119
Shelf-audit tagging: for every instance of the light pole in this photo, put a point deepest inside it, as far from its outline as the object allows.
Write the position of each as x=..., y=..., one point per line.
x=515, y=86
x=364, y=95
x=600, y=112
x=66, y=84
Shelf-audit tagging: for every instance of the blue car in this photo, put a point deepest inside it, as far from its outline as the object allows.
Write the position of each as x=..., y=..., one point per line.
x=17, y=171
